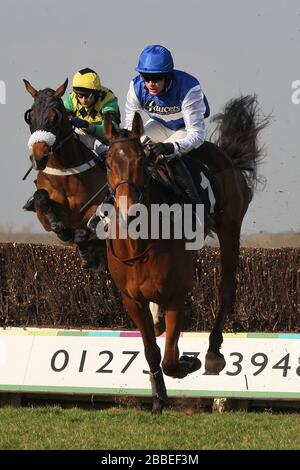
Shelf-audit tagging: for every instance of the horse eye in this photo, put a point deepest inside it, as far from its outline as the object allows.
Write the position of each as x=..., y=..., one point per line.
x=53, y=117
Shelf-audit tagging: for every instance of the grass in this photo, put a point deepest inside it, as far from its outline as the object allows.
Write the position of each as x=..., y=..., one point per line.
x=52, y=428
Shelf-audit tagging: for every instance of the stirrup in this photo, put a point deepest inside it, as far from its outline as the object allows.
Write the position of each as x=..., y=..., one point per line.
x=29, y=205
x=93, y=222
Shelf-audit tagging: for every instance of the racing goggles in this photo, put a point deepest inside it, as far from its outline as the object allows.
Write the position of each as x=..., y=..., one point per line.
x=153, y=77
x=84, y=94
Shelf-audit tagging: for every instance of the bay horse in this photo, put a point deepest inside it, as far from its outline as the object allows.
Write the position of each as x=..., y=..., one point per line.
x=69, y=174
x=161, y=271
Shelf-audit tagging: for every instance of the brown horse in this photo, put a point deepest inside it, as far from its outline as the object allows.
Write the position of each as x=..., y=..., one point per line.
x=69, y=174
x=161, y=271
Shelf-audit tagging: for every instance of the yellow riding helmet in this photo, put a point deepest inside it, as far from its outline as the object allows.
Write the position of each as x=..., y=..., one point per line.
x=86, y=78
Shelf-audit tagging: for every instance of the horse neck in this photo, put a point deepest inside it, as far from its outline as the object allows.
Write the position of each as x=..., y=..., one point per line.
x=128, y=248
x=70, y=154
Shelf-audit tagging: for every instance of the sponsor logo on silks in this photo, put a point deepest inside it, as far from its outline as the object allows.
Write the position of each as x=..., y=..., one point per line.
x=152, y=107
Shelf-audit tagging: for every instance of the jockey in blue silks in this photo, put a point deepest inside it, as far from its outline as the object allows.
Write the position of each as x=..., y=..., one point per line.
x=176, y=106
x=173, y=100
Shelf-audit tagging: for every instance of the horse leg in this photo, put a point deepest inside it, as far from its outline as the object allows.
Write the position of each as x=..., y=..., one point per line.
x=158, y=315
x=229, y=248
x=91, y=251
x=141, y=316
x=44, y=204
x=90, y=258
x=173, y=365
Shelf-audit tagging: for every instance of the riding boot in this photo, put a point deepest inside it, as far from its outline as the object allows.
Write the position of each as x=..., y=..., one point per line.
x=29, y=205
x=185, y=181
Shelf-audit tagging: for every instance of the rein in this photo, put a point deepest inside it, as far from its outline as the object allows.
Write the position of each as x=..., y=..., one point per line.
x=150, y=250
x=58, y=172
x=141, y=258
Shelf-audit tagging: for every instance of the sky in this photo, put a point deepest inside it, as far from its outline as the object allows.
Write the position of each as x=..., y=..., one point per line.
x=233, y=47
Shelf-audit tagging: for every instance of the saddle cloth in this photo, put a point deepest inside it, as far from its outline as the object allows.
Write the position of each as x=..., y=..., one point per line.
x=205, y=183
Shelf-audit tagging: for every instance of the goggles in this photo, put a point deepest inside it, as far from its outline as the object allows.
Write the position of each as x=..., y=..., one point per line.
x=87, y=95
x=153, y=77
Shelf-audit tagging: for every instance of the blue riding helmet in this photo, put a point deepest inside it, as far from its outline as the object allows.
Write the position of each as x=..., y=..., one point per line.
x=155, y=59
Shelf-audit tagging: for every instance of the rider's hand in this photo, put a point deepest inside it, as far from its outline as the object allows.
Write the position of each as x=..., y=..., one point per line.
x=163, y=148
x=77, y=122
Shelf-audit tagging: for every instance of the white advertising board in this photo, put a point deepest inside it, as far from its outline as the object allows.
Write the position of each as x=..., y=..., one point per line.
x=112, y=362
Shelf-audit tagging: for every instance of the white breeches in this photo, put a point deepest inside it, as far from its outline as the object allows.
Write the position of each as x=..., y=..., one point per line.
x=159, y=133
x=91, y=142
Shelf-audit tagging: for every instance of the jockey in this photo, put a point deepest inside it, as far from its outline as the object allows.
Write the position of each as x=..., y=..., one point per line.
x=173, y=100
x=176, y=106
x=87, y=104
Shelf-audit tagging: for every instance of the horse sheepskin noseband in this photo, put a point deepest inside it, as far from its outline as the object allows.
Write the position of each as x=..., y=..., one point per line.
x=41, y=136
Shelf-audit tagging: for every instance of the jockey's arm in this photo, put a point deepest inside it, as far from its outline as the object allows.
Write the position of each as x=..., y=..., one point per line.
x=131, y=106
x=69, y=105
x=97, y=129
x=193, y=110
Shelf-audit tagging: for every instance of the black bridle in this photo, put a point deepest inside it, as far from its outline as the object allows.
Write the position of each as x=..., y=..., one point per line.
x=42, y=107
x=55, y=130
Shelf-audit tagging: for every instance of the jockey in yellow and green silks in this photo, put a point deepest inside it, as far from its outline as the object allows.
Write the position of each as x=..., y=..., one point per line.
x=87, y=104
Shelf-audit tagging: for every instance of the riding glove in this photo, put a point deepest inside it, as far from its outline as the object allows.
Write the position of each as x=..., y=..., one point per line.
x=163, y=149
x=77, y=122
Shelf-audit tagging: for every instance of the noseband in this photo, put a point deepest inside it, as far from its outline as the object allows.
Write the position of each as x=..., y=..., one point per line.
x=43, y=104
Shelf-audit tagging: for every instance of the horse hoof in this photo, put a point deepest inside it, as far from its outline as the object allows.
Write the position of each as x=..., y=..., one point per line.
x=187, y=365
x=193, y=363
x=90, y=265
x=157, y=406
x=80, y=235
x=214, y=363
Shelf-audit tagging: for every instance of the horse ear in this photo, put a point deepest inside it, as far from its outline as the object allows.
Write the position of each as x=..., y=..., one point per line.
x=61, y=89
x=137, y=126
x=29, y=88
x=109, y=129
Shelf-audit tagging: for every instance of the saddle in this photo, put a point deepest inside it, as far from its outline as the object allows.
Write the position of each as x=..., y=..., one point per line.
x=195, y=173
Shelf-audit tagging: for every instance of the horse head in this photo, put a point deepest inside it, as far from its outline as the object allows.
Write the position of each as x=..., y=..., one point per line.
x=46, y=118
x=125, y=161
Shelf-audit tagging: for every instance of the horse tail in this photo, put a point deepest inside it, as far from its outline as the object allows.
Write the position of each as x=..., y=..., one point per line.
x=237, y=128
